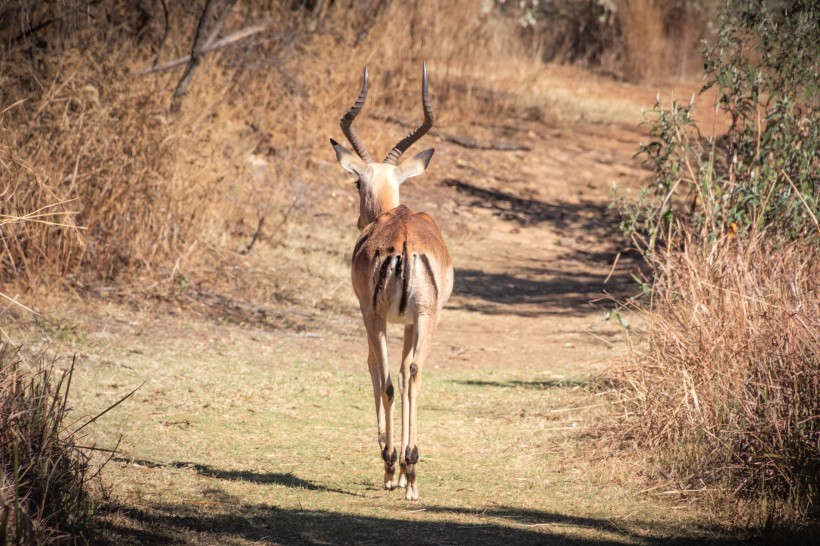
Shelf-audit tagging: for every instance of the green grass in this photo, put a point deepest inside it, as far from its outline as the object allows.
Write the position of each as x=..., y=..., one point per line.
x=242, y=435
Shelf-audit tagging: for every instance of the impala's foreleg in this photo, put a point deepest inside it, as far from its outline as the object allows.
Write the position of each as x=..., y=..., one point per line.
x=423, y=334
x=383, y=393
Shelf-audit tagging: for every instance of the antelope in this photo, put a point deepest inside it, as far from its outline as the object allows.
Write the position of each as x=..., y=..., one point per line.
x=402, y=273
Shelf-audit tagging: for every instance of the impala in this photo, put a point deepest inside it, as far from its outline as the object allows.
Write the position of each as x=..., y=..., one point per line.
x=401, y=273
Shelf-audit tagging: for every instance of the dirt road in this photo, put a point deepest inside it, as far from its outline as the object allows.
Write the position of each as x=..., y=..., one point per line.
x=261, y=429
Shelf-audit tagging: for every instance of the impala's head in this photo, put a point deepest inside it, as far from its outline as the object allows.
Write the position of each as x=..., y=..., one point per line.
x=378, y=183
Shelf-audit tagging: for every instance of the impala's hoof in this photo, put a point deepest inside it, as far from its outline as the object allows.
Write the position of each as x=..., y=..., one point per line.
x=390, y=460
x=390, y=482
x=412, y=492
x=408, y=474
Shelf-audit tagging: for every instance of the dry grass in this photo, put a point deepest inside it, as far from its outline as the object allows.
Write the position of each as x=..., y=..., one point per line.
x=244, y=435
x=156, y=193
x=728, y=390
x=43, y=484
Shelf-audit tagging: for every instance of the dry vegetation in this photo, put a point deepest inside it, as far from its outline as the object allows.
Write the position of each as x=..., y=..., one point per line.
x=108, y=189
x=727, y=390
x=44, y=473
x=89, y=138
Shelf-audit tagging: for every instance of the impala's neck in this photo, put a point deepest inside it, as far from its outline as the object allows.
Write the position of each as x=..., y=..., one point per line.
x=378, y=195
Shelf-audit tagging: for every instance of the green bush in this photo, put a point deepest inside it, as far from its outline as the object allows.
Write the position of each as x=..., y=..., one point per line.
x=762, y=174
x=726, y=391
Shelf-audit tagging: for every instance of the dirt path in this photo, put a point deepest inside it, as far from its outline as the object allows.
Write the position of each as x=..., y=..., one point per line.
x=249, y=434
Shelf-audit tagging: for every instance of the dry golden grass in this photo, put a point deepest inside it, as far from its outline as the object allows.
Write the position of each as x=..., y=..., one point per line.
x=726, y=392
x=154, y=191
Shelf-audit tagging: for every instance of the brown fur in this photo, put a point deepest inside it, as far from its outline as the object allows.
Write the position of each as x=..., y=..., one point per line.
x=384, y=239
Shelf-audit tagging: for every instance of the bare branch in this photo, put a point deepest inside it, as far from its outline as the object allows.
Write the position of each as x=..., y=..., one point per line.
x=226, y=41
x=200, y=42
x=164, y=33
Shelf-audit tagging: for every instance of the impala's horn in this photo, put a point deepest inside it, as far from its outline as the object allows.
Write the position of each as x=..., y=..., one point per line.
x=347, y=122
x=429, y=118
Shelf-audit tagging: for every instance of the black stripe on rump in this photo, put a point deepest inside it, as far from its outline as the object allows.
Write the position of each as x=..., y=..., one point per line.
x=384, y=272
x=359, y=243
x=429, y=268
x=405, y=288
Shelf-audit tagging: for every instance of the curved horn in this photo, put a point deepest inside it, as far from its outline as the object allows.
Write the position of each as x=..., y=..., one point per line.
x=347, y=122
x=429, y=118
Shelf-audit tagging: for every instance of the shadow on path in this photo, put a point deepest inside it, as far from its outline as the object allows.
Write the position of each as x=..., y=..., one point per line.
x=274, y=478
x=539, y=384
x=170, y=523
x=504, y=293
x=589, y=217
x=536, y=289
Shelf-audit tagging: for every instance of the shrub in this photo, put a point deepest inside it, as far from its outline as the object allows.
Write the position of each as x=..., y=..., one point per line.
x=764, y=172
x=727, y=390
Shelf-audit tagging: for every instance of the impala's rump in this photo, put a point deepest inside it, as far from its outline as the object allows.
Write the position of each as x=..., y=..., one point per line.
x=399, y=258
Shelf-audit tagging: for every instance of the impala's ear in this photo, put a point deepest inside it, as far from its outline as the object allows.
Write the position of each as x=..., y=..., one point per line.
x=351, y=162
x=414, y=166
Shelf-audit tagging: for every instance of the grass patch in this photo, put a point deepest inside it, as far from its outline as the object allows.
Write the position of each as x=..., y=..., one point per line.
x=45, y=471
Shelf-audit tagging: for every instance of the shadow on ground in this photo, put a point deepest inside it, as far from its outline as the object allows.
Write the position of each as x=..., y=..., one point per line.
x=167, y=523
x=540, y=384
x=227, y=520
x=538, y=290
x=590, y=217
x=273, y=478
x=505, y=293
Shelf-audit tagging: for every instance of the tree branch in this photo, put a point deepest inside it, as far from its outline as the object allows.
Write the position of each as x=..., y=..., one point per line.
x=200, y=42
x=226, y=41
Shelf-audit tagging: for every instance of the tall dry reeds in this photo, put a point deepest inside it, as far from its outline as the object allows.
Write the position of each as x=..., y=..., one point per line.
x=727, y=390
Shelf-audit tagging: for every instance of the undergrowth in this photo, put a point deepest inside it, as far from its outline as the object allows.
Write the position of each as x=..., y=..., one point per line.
x=121, y=181
x=44, y=494
x=726, y=390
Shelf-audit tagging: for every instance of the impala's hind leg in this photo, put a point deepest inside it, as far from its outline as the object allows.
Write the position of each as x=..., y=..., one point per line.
x=425, y=331
x=383, y=395
x=406, y=360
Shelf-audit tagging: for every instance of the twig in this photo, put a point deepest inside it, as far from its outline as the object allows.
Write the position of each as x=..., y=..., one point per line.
x=164, y=33
x=599, y=338
x=614, y=264
x=226, y=41
x=43, y=24
x=800, y=195
x=109, y=408
x=219, y=22
x=255, y=235
x=29, y=309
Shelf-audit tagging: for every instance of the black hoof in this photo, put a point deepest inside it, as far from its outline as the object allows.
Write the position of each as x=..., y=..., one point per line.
x=390, y=460
x=411, y=457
